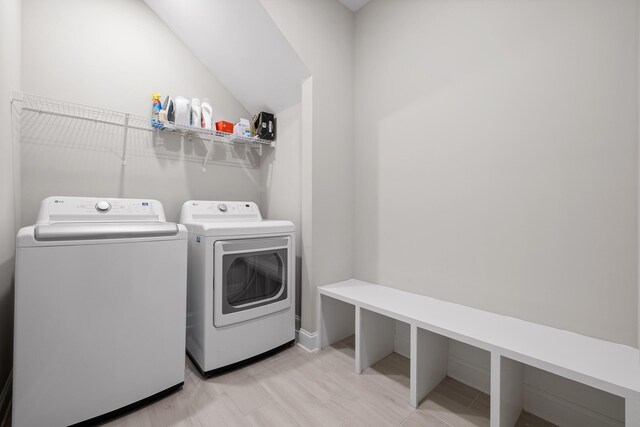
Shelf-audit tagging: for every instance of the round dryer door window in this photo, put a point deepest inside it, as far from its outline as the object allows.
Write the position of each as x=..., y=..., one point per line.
x=253, y=279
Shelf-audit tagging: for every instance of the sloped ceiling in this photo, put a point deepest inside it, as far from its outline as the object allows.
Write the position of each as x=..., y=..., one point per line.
x=241, y=45
x=354, y=5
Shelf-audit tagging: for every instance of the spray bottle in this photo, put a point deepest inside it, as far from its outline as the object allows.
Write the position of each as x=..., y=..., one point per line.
x=156, y=123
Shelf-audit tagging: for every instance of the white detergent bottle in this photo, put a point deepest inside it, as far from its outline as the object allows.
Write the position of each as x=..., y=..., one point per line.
x=196, y=113
x=207, y=114
x=183, y=111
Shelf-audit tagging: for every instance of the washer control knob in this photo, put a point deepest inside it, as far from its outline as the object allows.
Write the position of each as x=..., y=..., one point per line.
x=103, y=206
x=222, y=207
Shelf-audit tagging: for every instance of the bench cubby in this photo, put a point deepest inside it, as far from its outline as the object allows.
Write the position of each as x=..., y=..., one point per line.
x=336, y=320
x=372, y=312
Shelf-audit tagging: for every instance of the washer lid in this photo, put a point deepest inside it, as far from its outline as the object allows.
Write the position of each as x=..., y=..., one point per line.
x=105, y=230
x=65, y=221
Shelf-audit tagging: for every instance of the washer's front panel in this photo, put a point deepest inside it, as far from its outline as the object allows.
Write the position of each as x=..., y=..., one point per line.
x=97, y=327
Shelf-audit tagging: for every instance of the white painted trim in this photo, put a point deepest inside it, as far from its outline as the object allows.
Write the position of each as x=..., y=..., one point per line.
x=469, y=373
x=307, y=340
x=536, y=401
x=5, y=399
x=563, y=412
x=298, y=323
x=402, y=346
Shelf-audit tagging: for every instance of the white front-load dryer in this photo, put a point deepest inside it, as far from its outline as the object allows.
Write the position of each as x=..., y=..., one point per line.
x=100, y=310
x=241, y=284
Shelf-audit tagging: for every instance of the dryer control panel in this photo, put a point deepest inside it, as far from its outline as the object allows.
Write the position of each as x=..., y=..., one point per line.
x=211, y=211
x=89, y=209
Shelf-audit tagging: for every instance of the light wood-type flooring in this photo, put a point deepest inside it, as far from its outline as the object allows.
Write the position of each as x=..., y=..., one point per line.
x=296, y=388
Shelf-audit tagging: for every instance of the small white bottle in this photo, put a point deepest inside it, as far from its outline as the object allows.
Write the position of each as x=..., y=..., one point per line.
x=242, y=128
x=207, y=114
x=196, y=113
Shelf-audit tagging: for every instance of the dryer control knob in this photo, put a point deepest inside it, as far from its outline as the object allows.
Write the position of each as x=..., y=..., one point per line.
x=103, y=206
x=222, y=207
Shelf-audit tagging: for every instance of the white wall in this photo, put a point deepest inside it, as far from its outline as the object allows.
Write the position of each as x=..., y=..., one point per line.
x=9, y=80
x=114, y=54
x=321, y=32
x=281, y=180
x=496, y=160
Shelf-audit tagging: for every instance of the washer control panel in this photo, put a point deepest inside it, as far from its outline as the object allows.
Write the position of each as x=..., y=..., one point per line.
x=86, y=209
x=196, y=210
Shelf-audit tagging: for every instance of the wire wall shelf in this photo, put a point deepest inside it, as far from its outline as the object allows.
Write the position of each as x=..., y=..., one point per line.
x=209, y=137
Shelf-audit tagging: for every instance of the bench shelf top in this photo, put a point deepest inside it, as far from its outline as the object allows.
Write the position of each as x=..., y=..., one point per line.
x=601, y=364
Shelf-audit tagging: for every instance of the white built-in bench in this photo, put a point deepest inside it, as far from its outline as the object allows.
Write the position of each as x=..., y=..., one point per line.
x=371, y=311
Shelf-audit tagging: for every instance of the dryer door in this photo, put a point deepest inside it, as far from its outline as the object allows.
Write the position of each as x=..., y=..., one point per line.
x=252, y=278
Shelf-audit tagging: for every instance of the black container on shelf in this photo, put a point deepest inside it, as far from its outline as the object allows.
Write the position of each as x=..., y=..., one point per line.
x=264, y=126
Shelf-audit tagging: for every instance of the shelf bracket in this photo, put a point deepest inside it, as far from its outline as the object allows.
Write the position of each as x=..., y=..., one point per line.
x=206, y=157
x=124, y=139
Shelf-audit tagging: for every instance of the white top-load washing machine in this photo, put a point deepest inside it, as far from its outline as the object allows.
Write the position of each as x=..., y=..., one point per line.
x=100, y=310
x=241, y=283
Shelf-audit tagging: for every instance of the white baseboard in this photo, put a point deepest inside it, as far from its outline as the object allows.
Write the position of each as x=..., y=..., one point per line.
x=402, y=341
x=563, y=412
x=298, y=322
x=5, y=399
x=550, y=402
x=542, y=403
x=471, y=367
x=402, y=346
x=307, y=340
x=469, y=373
